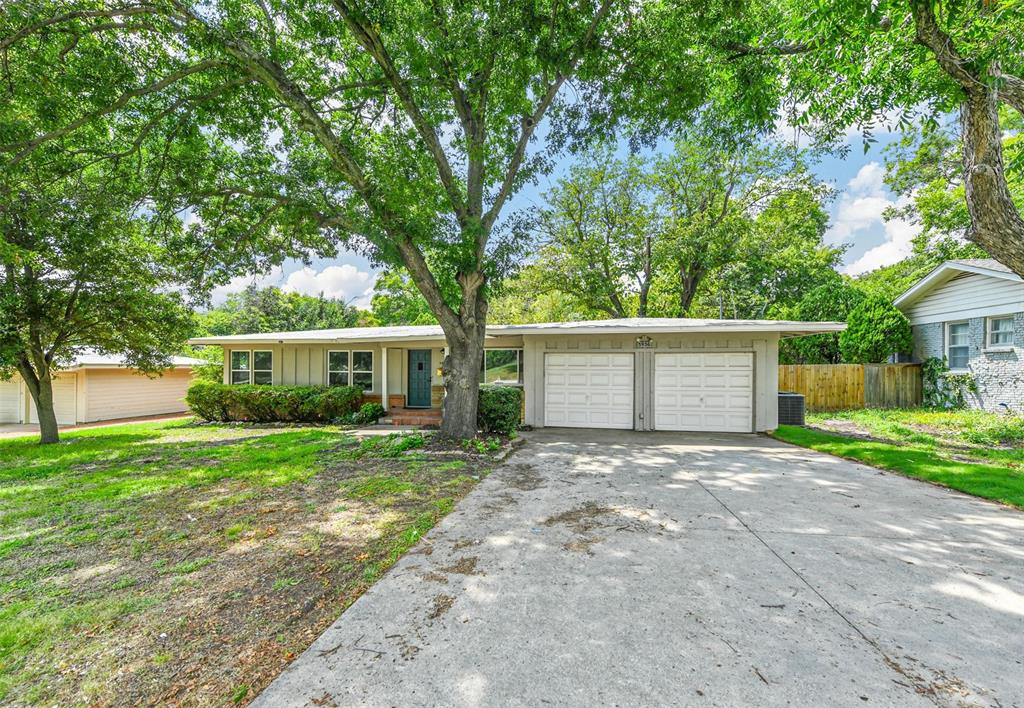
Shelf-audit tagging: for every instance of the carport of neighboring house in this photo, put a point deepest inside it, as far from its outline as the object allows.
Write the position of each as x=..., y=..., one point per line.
x=642, y=374
x=97, y=387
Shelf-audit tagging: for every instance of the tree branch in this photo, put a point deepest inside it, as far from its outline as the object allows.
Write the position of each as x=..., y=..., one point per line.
x=77, y=15
x=25, y=148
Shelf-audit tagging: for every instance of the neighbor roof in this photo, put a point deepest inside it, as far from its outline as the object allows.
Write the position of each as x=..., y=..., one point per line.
x=94, y=360
x=633, y=325
x=949, y=270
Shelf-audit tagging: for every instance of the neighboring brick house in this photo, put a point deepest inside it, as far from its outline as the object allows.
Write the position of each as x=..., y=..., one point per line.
x=972, y=313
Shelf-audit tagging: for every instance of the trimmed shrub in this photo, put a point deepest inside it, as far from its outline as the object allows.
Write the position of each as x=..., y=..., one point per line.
x=498, y=410
x=268, y=404
x=875, y=329
x=368, y=413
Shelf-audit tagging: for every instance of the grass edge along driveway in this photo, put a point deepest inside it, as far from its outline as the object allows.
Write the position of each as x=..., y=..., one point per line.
x=993, y=482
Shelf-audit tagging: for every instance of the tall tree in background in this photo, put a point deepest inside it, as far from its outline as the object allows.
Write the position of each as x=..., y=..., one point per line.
x=270, y=309
x=397, y=301
x=781, y=257
x=624, y=237
x=597, y=238
x=401, y=129
x=850, y=62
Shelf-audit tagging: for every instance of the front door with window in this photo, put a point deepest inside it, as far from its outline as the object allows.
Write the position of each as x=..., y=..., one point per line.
x=419, y=379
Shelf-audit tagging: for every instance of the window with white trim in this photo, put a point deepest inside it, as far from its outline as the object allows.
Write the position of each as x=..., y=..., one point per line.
x=263, y=368
x=241, y=367
x=350, y=368
x=958, y=349
x=1000, y=331
x=502, y=366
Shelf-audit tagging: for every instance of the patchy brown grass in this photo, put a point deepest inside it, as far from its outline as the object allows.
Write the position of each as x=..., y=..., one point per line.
x=189, y=565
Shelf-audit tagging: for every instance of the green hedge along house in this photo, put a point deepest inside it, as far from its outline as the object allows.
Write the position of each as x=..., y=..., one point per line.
x=642, y=374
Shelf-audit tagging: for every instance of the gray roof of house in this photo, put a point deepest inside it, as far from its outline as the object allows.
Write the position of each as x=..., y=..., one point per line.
x=634, y=325
x=990, y=263
x=89, y=360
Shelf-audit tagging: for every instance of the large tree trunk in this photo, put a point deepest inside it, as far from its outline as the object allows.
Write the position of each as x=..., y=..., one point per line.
x=461, y=370
x=996, y=225
x=41, y=389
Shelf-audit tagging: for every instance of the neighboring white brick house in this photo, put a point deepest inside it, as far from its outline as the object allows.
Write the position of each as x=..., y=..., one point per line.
x=972, y=313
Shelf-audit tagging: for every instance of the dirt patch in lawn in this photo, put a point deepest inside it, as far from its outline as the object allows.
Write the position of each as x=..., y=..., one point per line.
x=201, y=595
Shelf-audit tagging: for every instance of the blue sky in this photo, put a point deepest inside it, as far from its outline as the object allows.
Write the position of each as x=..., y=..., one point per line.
x=856, y=220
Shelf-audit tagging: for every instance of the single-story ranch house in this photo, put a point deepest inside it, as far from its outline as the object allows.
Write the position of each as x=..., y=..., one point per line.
x=643, y=374
x=97, y=387
x=972, y=313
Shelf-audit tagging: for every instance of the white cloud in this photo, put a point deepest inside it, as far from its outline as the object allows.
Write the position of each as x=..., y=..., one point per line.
x=858, y=217
x=241, y=282
x=344, y=282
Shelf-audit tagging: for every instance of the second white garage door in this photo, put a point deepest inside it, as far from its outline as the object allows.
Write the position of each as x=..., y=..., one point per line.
x=704, y=392
x=588, y=390
x=65, y=402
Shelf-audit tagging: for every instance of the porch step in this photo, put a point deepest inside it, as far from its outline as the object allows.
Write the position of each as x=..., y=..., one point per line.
x=419, y=417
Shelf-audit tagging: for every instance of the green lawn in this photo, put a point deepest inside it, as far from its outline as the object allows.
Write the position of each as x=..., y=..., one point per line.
x=975, y=452
x=157, y=562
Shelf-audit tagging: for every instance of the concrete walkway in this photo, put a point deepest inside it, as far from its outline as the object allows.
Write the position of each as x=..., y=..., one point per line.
x=601, y=568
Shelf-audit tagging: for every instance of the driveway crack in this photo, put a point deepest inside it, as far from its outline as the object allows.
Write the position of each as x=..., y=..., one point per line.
x=920, y=685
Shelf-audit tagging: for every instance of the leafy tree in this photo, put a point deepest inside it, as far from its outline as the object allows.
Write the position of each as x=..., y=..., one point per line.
x=80, y=272
x=597, y=231
x=850, y=62
x=401, y=129
x=892, y=280
x=781, y=257
x=527, y=298
x=397, y=301
x=639, y=237
x=875, y=330
x=270, y=309
x=831, y=302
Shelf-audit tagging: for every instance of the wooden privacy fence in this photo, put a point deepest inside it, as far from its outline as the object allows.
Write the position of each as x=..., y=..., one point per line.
x=831, y=387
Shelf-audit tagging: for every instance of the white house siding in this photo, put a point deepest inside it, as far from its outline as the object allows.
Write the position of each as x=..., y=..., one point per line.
x=764, y=348
x=122, y=393
x=998, y=374
x=67, y=399
x=965, y=296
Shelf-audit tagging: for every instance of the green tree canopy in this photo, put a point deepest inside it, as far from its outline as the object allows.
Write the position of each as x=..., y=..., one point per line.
x=830, y=302
x=397, y=301
x=269, y=309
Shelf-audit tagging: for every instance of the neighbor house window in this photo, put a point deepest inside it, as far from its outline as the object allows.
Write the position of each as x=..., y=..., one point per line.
x=263, y=368
x=241, y=367
x=1000, y=331
x=502, y=366
x=350, y=369
x=958, y=349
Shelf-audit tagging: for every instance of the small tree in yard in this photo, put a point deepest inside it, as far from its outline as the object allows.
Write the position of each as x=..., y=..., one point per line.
x=77, y=272
x=875, y=330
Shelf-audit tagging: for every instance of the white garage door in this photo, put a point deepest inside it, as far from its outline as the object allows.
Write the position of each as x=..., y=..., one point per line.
x=64, y=404
x=588, y=390
x=10, y=401
x=704, y=392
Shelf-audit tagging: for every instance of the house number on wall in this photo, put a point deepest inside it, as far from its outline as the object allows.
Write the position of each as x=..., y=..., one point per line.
x=644, y=342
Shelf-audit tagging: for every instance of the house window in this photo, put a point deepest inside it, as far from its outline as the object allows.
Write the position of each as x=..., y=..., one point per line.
x=241, y=367
x=1000, y=331
x=263, y=368
x=958, y=349
x=353, y=368
x=337, y=368
x=502, y=366
x=362, y=370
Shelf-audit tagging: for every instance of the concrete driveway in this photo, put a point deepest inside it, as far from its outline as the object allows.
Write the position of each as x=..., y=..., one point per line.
x=600, y=568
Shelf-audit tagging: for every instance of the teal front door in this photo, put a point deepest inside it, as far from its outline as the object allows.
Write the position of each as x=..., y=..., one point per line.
x=419, y=379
